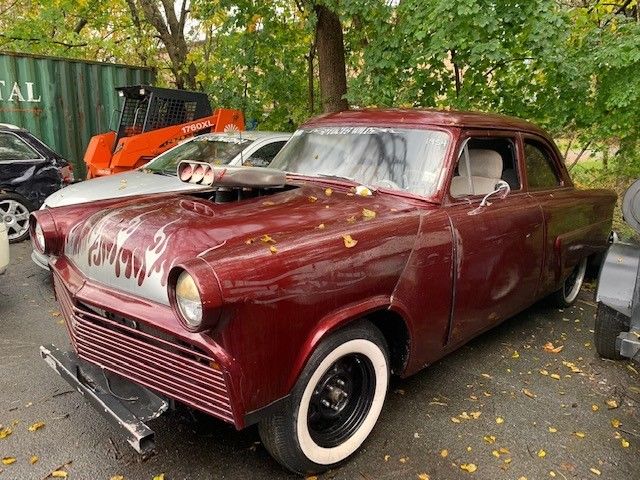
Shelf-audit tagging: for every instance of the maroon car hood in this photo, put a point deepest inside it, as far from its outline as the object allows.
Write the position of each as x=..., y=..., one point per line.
x=133, y=246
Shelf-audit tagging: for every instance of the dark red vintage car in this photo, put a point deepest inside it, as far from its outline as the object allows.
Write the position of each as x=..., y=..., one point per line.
x=378, y=242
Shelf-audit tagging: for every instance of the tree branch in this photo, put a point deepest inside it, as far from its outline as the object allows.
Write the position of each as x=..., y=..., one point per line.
x=505, y=62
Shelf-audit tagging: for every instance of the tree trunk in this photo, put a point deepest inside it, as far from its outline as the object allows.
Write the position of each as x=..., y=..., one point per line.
x=331, y=60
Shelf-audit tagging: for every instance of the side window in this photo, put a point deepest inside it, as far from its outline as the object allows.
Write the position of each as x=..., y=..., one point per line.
x=541, y=170
x=14, y=148
x=263, y=156
x=489, y=161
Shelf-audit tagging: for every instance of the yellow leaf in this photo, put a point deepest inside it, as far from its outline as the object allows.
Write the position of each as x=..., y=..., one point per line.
x=555, y=376
x=464, y=416
x=33, y=459
x=328, y=192
x=489, y=439
x=312, y=199
x=553, y=429
x=320, y=227
x=55, y=313
x=8, y=460
x=615, y=423
x=504, y=450
x=160, y=476
x=455, y=419
x=36, y=426
x=368, y=214
x=311, y=477
x=273, y=249
x=507, y=461
x=249, y=241
x=495, y=453
x=59, y=474
x=351, y=219
x=348, y=241
x=542, y=453
x=522, y=478
x=268, y=203
x=475, y=415
x=528, y=393
x=469, y=467
x=515, y=354
x=486, y=375
x=544, y=372
x=444, y=453
x=552, y=473
x=387, y=457
x=499, y=420
x=579, y=434
x=595, y=408
x=624, y=442
x=403, y=459
x=595, y=471
x=549, y=347
x=267, y=239
x=363, y=191
x=611, y=404
x=5, y=432
x=423, y=476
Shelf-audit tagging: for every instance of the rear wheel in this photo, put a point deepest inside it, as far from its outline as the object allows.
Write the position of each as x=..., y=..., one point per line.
x=609, y=324
x=14, y=212
x=568, y=293
x=334, y=404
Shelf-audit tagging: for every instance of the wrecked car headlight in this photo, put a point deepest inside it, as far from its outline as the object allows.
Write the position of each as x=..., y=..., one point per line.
x=188, y=300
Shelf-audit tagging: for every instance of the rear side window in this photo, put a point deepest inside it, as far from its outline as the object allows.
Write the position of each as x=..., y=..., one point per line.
x=541, y=170
x=13, y=148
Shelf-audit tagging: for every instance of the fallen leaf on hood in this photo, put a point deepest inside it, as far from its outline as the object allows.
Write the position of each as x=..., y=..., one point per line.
x=268, y=203
x=624, y=442
x=267, y=239
x=320, y=227
x=33, y=459
x=8, y=460
x=368, y=214
x=312, y=199
x=348, y=241
x=469, y=467
x=363, y=191
x=528, y=393
x=542, y=453
x=273, y=249
x=5, y=432
x=444, y=453
x=595, y=471
x=328, y=192
x=615, y=423
x=549, y=347
x=36, y=426
x=59, y=474
x=611, y=404
x=249, y=241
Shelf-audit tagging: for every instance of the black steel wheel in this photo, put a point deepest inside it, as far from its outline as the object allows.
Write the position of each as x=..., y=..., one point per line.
x=335, y=403
x=568, y=293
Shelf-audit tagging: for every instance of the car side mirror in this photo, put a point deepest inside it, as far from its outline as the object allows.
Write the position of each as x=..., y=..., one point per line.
x=501, y=188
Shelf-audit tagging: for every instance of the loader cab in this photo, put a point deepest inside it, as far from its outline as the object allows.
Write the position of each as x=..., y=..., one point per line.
x=149, y=108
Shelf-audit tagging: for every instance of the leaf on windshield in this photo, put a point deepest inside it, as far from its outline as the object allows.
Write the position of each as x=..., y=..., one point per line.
x=348, y=241
x=368, y=214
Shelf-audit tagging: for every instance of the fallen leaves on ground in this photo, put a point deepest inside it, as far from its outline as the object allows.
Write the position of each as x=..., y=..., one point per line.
x=579, y=434
x=555, y=376
x=117, y=477
x=542, y=453
x=444, y=453
x=595, y=471
x=549, y=347
x=59, y=474
x=349, y=242
x=595, y=407
x=572, y=367
x=499, y=420
x=423, y=476
x=553, y=429
x=624, y=442
x=33, y=459
x=159, y=477
x=8, y=460
x=36, y=426
x=311, y=477
x=515, y=354
x=469, y=467
x=5, y=432
x=615, y=423
x=611, y=404
x=489, y=439
x=528, y=393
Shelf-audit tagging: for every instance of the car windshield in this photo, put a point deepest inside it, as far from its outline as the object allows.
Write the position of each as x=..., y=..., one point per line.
x=213, y=149
x=395, y=158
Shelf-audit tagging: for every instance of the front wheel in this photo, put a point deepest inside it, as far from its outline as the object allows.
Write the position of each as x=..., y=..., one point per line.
x=14, y=212
x=335, y=403
x=568, y=293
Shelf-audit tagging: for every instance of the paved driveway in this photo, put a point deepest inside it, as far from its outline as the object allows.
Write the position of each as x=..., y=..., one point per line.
x=529, y=413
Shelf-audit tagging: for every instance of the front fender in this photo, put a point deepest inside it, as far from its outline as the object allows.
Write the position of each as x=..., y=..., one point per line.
x=618, y=276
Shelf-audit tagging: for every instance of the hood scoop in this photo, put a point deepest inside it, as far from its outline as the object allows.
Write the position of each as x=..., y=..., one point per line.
x=201, y=173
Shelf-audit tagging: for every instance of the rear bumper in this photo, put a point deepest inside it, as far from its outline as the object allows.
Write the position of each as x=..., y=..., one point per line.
x=128, y=409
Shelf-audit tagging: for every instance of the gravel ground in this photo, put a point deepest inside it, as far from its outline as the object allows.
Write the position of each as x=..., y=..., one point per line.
x=493, y=405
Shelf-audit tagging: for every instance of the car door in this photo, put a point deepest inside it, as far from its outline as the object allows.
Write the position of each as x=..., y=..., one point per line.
x=19, y=166
x=497, y=247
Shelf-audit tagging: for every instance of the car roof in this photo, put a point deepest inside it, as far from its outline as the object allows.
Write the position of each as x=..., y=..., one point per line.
x=249, y=135
x=417, y=116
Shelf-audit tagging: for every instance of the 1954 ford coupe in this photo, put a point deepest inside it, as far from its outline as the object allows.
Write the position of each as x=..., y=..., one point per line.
x=376, y=243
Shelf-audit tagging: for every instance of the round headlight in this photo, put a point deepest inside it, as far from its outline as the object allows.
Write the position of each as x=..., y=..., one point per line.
x=188, y=300
x=38, y=237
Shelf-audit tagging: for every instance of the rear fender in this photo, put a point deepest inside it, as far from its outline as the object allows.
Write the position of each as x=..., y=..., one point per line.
x=618, y=277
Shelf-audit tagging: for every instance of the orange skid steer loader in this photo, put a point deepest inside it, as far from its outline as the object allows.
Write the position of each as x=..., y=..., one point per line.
x=153, y=120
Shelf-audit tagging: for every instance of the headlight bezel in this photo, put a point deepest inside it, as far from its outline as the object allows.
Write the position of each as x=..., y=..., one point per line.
x=188, y=300
x=47, y=230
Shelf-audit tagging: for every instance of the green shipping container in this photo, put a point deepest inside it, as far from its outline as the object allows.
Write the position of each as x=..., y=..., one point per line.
x=64, y=102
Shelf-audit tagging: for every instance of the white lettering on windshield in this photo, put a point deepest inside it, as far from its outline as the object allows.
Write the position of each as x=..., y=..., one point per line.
x=351, y=130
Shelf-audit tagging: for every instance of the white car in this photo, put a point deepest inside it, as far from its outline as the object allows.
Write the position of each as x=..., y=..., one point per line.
x=4, y=248
x=159, y=175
